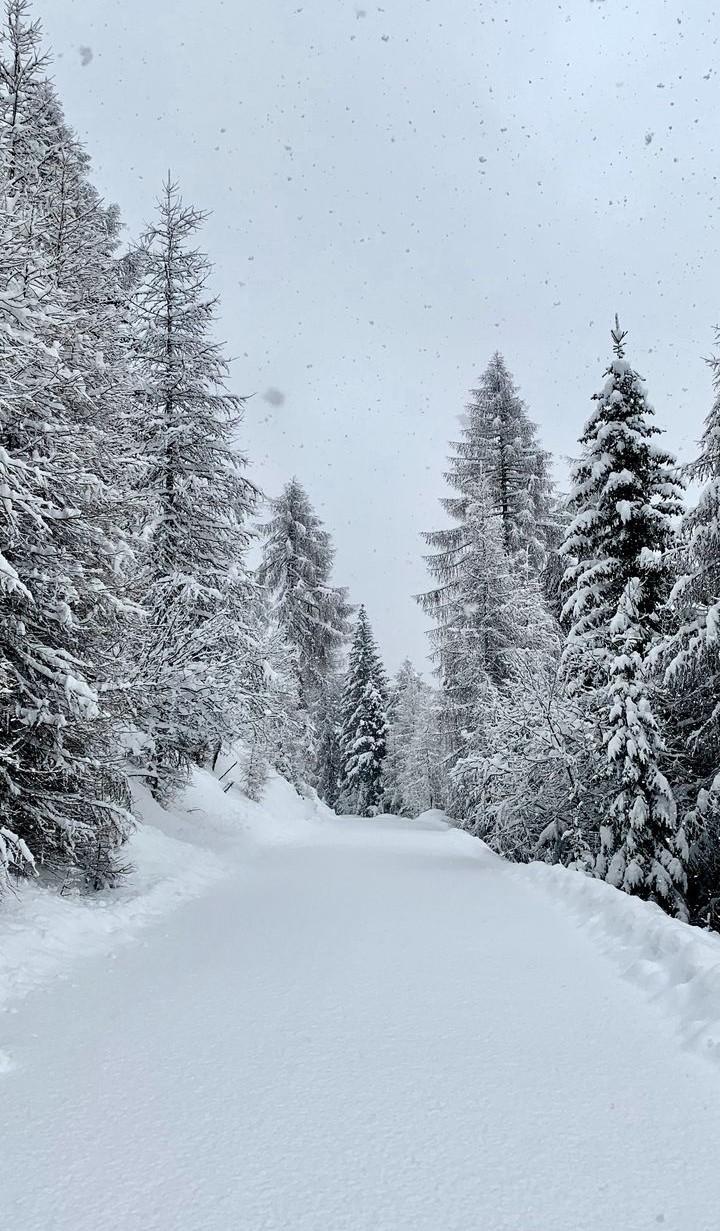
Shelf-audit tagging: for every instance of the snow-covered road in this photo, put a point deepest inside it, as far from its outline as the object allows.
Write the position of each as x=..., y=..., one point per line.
x=379, y=1029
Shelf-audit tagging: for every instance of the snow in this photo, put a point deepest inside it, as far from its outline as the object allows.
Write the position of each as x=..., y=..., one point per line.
x=676, y=965
x=289, y=1021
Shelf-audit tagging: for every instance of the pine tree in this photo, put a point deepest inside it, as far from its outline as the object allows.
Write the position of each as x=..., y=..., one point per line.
x=62, y=788
x=691, y=659
x=296, y=564
x=364, y=725
x=625, y=497
x=196, y=497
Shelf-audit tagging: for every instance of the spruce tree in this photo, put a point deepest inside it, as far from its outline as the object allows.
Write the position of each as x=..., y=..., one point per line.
x=691, y=660
x=196, y=498
x=364, y=725
x=296, y=564
x=625, y=497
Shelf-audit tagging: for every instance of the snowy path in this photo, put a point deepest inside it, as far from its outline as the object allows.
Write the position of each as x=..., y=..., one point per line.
x=381, y=1030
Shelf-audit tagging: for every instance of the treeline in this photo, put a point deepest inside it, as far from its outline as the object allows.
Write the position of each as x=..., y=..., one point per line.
x=576, y=714
x=576, y=644
x=134, y=639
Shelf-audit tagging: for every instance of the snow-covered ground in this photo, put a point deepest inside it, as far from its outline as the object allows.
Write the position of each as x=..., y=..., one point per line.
x=286, y=1020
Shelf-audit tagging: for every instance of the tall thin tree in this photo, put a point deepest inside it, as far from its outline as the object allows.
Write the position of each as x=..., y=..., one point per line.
x=625, y=496
x=364, y=725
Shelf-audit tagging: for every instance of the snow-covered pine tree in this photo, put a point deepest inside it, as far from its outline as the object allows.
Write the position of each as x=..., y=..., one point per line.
x=691, y=657
x=625, y=496
x=364, y=725
x=296, y=564
x=63, y=789
x=196, y=497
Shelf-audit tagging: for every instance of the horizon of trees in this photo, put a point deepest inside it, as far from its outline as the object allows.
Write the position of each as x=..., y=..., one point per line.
x=575, y=715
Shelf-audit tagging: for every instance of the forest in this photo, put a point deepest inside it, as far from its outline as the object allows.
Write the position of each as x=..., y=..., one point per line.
x=570, y=714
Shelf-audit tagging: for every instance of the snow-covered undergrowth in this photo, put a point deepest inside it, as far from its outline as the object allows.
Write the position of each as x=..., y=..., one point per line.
x=174, y=855
x=677, y=965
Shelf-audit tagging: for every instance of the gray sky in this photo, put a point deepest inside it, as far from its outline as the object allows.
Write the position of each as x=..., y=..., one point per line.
x=396, y=192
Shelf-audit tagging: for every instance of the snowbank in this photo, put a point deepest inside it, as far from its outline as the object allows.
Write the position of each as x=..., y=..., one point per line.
x=215, y=832
x=175, y=855
x=44, y=931
x=677, y=965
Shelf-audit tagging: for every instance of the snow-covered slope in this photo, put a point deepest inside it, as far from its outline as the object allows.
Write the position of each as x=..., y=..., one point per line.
x=349, y=1025
x=174, y=855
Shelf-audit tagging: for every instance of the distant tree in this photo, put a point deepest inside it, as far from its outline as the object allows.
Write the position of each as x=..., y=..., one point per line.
x=414, y=771
x=405, y=699
x=296, y=565
x=364, y=725
x=625, y=496
x=422, y=779
x=328, y=756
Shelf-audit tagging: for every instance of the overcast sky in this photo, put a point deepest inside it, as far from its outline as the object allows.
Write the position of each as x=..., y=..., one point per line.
x=396, y=192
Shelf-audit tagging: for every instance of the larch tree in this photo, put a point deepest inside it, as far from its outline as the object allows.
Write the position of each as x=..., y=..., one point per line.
x=196, y=498
x=626, y=495
x=495, y=613
x=405, y=696
x=498, y=451
x=413, y=766
x=62, y=786
x=363, y=725
x=296, y=566
x=499, y=444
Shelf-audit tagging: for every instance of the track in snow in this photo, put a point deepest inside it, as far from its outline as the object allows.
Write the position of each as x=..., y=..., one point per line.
x=381, y=1031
